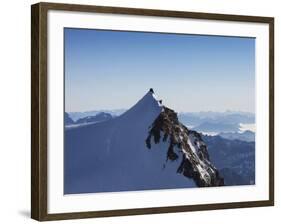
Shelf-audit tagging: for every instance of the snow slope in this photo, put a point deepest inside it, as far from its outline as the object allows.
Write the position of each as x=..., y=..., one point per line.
x=112, y=155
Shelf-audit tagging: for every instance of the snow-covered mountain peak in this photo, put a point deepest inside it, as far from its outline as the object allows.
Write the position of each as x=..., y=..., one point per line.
x=148, y=105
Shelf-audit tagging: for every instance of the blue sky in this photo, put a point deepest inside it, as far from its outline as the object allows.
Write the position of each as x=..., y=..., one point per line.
x=113, y=70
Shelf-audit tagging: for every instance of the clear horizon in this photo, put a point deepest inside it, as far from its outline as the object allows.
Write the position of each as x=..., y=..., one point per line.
x=202, y=111
x=109, y=70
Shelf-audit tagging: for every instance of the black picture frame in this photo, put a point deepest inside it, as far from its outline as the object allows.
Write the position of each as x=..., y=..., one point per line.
x=39, y=108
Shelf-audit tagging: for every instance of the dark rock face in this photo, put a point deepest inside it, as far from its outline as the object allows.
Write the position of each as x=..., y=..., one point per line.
x=186, y=145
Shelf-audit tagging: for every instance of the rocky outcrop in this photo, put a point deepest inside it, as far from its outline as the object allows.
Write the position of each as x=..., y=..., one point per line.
x=186, y=145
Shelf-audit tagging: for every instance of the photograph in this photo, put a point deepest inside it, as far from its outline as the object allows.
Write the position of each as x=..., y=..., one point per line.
x=158, y=111
x=146, y=111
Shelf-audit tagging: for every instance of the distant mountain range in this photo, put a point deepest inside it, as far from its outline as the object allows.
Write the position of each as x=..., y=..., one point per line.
x=228, y=117
x=99, y=117
x=221, y=123
x=78, y=115
x=234, y=159
x=217, y=127
x=67, y=119
x=205, y=122
x=231, y=178
x=247, y=136
x=187, y=118
x=102, y=116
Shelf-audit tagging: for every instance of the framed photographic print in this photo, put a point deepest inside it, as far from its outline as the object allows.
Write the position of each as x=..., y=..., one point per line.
x=141, y=111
